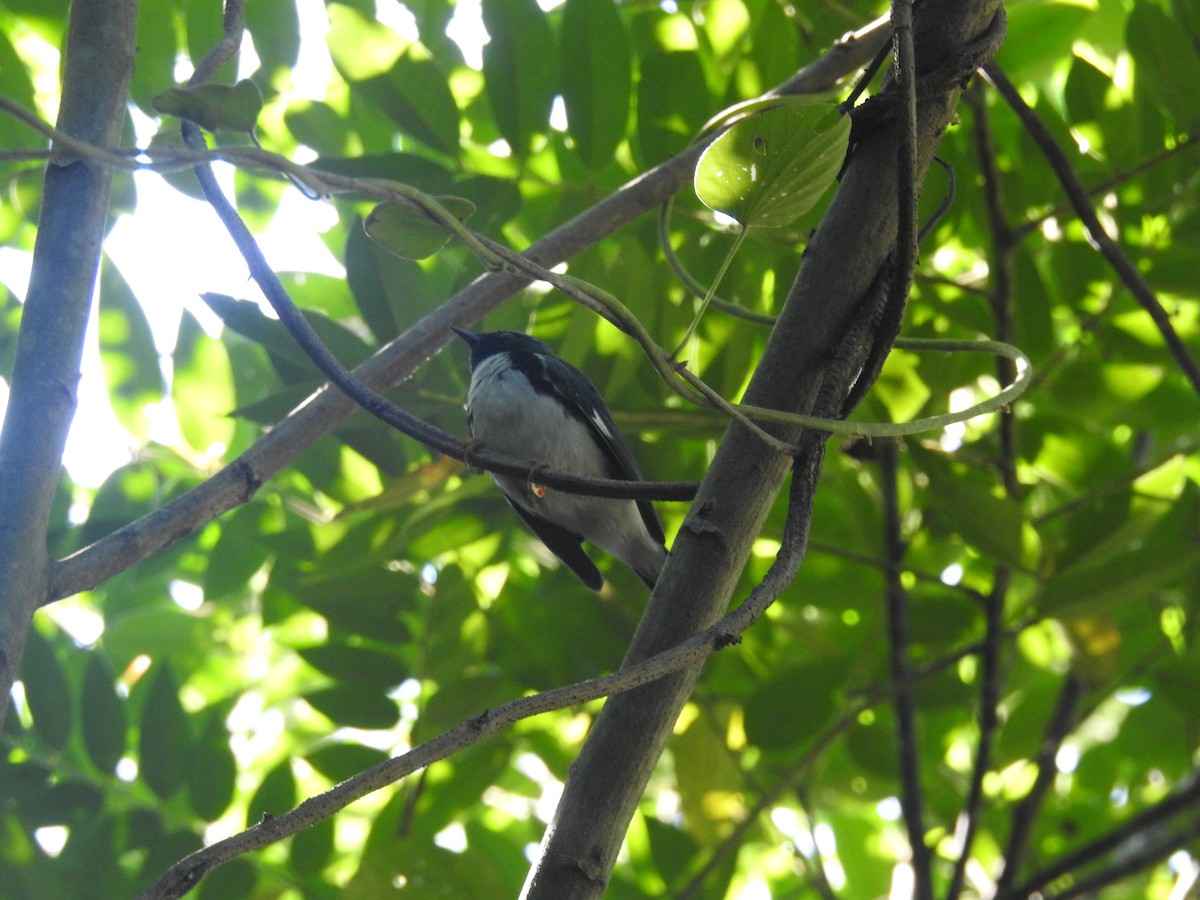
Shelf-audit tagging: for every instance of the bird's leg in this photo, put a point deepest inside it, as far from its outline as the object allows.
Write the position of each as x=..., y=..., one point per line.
x=469, y=449
x=538, y=490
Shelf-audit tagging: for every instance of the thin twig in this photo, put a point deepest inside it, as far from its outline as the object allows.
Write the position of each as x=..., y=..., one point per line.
x=907, y=749
x=1189, y=142
x=1096, y=231
x=1143, y=823
x=1026, y=812
x=1137, y=859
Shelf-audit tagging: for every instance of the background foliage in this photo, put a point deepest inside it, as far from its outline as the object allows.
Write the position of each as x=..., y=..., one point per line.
x=371, y=595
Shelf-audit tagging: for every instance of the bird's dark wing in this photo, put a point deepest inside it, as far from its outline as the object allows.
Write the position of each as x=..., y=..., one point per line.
x=580, y=396
x=566, y=545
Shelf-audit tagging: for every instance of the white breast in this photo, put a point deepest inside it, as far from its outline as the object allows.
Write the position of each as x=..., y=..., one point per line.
x=517, y=421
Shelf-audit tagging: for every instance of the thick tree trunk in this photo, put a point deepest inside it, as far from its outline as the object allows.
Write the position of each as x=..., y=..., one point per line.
x=99, y=64
x=846, y=256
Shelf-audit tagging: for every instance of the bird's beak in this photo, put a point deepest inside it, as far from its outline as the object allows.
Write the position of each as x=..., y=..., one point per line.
x=469, y=336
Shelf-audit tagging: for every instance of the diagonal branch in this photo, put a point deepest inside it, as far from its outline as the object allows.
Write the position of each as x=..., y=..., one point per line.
x=1099, y=236
x=1025, y=814
x=1142, y=824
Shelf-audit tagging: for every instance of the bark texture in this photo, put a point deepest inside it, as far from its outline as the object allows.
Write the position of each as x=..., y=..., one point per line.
x=74, y=214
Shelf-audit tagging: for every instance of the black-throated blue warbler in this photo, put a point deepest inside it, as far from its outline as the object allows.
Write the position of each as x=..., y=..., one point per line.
x=526, y=402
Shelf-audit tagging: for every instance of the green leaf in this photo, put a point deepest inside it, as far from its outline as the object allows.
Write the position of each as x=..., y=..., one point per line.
x=337, y=762
x=214, y=107
x=273, y=407
x=708, y=777
x=1175, y=678
x=965, y=503
x=212, y=773
x=672, y=104
x=237, y=555
x=46, y=691
x=410, y=233
x=275, y=28
x=165, y=742
x=16, y=85
x=367, y=604
x=346, y=704
x=366, y=666
x=157, y=50
x=235, y=878
x=518, y=69
x=361, y=48
x=768, y=170
x=319, y=126
x=1131, y=571
x=127, y=353
x=1167, y=61
x=95, y=849
x=788, y=711
x=1037, y=34
x=247, y=319
x=275, y=795
x=103, y=714
x=415, y=94
x=596, y=78
x=184, y=180
x=202, y=386
x=312, y=848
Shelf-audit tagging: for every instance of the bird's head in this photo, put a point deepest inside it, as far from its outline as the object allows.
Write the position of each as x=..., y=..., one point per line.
x=489, y=343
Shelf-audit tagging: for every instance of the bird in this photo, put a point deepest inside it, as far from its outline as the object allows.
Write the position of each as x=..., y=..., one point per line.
x=525, y=401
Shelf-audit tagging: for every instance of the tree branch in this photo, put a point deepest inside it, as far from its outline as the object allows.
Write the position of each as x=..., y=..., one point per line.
x=73, y=216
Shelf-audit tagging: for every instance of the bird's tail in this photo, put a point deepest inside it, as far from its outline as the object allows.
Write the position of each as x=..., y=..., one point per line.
x=646, y=560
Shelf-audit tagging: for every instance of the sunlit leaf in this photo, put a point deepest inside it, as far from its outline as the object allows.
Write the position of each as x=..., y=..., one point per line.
x=596, y=78
x=127, y=351
x=411, y=233
x=361, y=48
x=214, y=107
x=771, y=168
x=518, y=67
x=202, y=387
